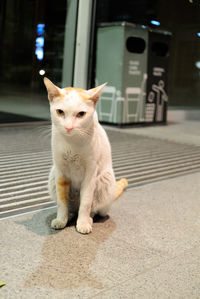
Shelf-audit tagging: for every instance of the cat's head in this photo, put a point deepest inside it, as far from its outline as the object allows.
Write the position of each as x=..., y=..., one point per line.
x=72, y=109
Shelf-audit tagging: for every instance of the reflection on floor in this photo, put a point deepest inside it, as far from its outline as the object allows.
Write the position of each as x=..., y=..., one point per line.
x=20, y=104
x=12, y=118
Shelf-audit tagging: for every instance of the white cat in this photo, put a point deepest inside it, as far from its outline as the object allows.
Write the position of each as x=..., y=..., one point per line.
x=82, y=178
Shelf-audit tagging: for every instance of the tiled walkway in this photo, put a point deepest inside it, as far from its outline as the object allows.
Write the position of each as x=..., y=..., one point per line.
x=148, y=247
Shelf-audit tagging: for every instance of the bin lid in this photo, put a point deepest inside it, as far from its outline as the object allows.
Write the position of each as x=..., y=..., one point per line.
x=136, y=26
x=164, y=32
x=124, y=24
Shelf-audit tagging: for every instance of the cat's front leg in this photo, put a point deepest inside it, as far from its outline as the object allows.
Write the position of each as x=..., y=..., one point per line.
x=84, y=225
x=62, y=190
x=84, y=221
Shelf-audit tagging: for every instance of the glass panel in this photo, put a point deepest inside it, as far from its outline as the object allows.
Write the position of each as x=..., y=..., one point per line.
x=32, y=43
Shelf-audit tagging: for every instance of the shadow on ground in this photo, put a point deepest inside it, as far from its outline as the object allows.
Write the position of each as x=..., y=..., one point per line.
x=66, y=255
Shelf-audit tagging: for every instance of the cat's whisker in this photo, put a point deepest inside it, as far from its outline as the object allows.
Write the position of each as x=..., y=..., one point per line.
x=85, y=132
x=44, y=132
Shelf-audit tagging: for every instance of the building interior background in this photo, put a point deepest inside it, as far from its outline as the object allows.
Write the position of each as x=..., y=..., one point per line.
x=32, y=44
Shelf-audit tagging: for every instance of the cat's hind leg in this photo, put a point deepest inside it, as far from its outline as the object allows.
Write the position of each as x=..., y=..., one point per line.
x=104, y=194
x=108, y=190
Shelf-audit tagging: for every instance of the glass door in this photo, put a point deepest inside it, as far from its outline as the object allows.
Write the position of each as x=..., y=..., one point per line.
x=31, y=45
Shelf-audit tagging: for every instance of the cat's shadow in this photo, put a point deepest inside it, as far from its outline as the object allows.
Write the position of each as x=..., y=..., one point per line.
x=42, y=225
x=67, y=256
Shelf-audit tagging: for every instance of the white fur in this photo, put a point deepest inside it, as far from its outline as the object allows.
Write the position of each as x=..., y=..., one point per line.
x=83, y=156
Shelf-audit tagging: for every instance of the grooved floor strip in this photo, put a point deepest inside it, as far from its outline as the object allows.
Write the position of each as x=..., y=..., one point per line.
x=25, y=161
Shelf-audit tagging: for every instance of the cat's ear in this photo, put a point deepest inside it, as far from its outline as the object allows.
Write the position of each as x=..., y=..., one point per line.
x=94, y=93
x=53, y=90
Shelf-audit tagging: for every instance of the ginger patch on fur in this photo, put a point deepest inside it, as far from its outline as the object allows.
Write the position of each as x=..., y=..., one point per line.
x=120, y=186
x=63, y=187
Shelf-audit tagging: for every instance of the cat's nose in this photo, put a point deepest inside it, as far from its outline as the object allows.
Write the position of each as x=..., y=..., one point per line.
x=69, y=129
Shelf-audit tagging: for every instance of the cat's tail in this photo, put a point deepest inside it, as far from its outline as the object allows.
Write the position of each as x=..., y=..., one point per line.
x=120, y=186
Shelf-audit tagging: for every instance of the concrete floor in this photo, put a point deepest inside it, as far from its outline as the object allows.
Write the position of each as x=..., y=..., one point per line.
x=148, y=247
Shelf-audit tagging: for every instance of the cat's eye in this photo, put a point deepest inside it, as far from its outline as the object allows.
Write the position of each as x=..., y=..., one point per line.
x=60, y=112
x=81, y=114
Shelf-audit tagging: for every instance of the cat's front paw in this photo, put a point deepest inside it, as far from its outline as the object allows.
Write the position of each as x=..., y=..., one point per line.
x=58, y=224
x=84, y=226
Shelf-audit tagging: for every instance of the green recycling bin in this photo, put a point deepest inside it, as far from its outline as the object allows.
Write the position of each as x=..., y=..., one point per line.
x=121, y=60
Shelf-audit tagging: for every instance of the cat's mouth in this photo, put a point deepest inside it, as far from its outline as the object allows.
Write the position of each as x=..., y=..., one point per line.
x=69, y=133
x=69, y=129
x=77, y=132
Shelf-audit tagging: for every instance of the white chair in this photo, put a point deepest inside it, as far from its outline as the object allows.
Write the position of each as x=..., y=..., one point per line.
x=132, y=96
x=107, y=99
x=135, y=96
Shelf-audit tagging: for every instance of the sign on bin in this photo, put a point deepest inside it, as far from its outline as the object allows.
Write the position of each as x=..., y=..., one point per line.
x=158, y=61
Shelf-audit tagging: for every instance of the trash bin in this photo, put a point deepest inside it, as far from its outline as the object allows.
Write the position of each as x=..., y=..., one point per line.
x=134, y=61
x=158, y=61
x=121, y=60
